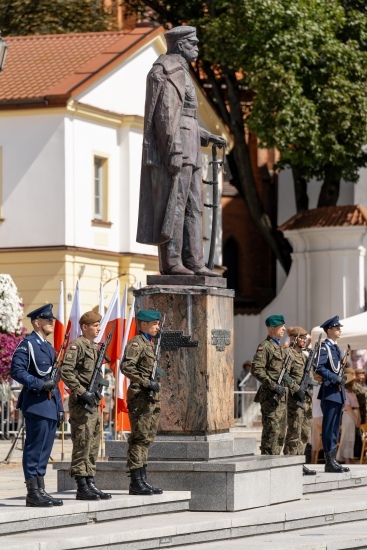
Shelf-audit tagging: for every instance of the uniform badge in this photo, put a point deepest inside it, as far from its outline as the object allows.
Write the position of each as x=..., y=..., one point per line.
x=259, y=349
x=135, y=345
x=72, y=347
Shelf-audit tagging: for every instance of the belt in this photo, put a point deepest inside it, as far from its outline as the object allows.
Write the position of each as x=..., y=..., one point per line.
x=189, y=112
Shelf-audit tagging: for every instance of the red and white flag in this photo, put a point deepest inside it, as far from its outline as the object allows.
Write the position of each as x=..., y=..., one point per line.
x=112, y=321
x=122, y=383
x=59, y=331
x=73, y=327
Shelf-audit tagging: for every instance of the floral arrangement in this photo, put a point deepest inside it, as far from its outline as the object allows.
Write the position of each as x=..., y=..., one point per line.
x=11, y=329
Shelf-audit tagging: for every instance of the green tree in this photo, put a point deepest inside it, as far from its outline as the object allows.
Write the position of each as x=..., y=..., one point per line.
x=25, y=17
x=294, y=72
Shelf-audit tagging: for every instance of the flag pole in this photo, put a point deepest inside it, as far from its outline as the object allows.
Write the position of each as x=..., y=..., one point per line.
x=116, y=397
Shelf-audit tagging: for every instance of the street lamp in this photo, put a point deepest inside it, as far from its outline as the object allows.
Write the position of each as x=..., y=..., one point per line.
x=3, y=52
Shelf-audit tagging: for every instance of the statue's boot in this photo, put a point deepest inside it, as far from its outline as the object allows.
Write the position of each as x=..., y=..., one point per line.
x=178, y=270
x=308, y=472
x=42, y=491
x=206, y=272
x=143, y=475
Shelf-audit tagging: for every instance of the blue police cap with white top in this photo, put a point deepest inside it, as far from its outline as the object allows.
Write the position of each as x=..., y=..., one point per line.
x=43, y=312
x=331, y=323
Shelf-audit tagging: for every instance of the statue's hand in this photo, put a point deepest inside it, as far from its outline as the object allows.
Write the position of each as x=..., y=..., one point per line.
x=175, y=164
x=217, y=140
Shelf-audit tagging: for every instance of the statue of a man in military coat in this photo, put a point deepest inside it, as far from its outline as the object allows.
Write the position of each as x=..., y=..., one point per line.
x=170, y=209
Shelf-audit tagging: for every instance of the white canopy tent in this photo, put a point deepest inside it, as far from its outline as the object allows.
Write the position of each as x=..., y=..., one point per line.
x=354, y=332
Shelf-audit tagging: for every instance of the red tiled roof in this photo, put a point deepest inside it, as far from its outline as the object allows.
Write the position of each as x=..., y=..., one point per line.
x=327, y=216
x=54, y=67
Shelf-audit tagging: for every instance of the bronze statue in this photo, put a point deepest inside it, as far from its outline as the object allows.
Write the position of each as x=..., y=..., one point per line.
x=170, y=209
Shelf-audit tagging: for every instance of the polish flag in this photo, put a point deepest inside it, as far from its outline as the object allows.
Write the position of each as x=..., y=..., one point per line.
x=59, y=332
x=112, y=321
x=73, y=327
x=122, y=383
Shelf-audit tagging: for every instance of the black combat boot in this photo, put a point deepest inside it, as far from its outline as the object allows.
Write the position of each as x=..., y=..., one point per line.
x=308, y=472
x=344, y=468
x=137, y=486
x=143, y=474
x=84, y=492
x=331, y=465
x=94, y=489
x=34, y=497
x=41, y=489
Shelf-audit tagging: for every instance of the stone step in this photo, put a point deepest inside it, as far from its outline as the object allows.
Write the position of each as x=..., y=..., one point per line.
x=357, y=477
x=16, y=517
x=189, y=528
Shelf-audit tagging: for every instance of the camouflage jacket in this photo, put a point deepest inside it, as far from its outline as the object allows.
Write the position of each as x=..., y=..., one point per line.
x=137, y=363
x=268, y=362
x=78, y=365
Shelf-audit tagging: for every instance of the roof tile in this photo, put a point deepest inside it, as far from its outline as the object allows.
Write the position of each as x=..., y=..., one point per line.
x=327, y=216
x=38, y=66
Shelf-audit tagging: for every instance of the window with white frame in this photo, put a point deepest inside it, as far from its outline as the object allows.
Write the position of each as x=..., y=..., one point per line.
x=100, y=189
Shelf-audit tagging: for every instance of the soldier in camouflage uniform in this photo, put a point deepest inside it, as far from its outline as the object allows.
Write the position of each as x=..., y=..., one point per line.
x=76, y=372
x=299, y=421
x=144, y=411
x=266, y=367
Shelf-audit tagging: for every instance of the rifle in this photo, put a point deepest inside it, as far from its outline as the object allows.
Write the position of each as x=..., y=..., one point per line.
x=344, y=362
x=97, y=380
x=156, y=371
x=284, y=370
x=55, y=372
x=307, y=381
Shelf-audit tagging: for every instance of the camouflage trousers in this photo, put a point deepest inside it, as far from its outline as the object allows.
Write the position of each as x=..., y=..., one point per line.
x=144, y=418
x=86, y=437
x=274, y=421
x=299, y=423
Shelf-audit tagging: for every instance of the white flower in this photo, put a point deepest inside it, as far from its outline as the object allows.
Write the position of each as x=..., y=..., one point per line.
x=11, y=306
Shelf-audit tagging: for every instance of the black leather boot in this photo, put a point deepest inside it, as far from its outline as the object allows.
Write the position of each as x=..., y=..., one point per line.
x=331, y=465
x=41, y=489
x=344, y=468
x=137, y=486
x=308, y=472
x=84, y=492
x=143, y=473
x=34, y=497
x=92, y=486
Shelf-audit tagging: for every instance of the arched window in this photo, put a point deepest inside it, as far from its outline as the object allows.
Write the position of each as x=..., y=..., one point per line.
x=230, y=260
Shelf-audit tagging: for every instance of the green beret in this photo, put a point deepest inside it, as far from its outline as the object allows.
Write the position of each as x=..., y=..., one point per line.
x=275, y=321
x=89, y=318
x=148, y=315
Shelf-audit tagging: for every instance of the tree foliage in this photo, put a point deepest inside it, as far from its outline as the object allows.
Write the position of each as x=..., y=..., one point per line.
x=304, y=65
x=25, y=17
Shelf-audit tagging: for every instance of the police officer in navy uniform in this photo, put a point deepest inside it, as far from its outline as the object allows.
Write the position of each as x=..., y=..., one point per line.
x=40, y=403
x=332, y=392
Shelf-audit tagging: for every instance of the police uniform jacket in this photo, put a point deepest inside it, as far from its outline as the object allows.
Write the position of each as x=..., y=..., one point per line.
x=137, y=364
x=78, y=366
x=328, y=367
x=31, y=366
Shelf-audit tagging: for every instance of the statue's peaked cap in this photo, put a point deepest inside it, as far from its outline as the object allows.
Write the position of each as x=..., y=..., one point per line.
x=179, y=33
